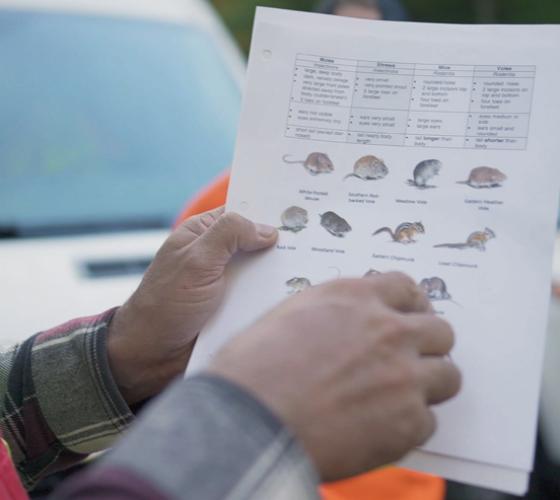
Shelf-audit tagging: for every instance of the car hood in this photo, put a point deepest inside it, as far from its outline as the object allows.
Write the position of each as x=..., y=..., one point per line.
x=45, y=282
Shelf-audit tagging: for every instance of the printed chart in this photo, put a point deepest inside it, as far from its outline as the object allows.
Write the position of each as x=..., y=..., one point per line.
x=409, y=104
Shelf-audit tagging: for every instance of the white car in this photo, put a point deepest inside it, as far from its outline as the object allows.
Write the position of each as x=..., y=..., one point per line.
x=113, y=113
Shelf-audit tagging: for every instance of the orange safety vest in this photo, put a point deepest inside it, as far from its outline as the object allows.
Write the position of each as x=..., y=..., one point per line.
x=389, y=483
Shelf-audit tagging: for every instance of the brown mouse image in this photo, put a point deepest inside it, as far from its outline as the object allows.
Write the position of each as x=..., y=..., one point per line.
x=369, y=168
x=477, y=240
x=315, y=163
x=485, y=177
x=294, y=219
x=404, y=233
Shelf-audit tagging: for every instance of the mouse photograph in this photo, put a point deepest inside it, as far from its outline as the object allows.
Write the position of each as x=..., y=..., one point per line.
x=315, y=163
x=298, y=285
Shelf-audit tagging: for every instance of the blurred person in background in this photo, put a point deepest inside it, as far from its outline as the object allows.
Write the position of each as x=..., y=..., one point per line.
x=389, y=10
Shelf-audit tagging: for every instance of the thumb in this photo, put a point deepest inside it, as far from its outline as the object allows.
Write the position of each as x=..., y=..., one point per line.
x=231, y=233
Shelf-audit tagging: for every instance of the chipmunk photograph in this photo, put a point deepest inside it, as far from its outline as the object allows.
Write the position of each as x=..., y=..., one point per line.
x=404, y=233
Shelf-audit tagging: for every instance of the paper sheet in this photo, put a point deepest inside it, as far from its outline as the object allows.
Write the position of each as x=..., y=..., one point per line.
x=429, y=149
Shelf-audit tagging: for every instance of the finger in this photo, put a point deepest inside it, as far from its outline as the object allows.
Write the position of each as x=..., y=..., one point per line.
x=200, y=223
x=431, y=335
x=440, y=379
x=427, y=428
x=231, y=233
x=399, y=291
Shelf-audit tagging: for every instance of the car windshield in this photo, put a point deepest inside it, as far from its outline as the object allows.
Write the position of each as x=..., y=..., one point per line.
x=108, y=121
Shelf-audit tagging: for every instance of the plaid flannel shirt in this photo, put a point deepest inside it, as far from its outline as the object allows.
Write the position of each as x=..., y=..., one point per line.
x=58, y=401
x=204, y=438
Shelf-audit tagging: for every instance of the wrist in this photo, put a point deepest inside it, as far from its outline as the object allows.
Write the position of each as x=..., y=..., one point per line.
x=139, y=370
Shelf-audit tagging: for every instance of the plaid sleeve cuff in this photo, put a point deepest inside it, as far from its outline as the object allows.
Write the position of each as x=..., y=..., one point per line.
x=77, y=395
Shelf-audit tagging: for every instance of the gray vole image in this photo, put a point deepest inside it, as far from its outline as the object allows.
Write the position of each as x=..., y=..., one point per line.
x=371, y=272
x=294, y=219
x=369, y=168
x=435, y=288
x=315, y=163
x=298, y=285
x=404, y=233
x=424, y=172
x=485, y=177
x=477, y=240
x=335, y=224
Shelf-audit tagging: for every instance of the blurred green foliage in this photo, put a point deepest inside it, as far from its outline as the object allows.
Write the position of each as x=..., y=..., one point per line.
x=238, y=14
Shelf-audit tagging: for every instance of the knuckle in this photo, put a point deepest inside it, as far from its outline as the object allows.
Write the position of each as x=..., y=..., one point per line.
x=449, y=335
x=347, y=287
x=428, y=426
x=412, y=423
x=394, y=330
x=207, y=219
x=231, y=219
x=402, y=280
x=439, y=334
x=401, y=376
x=455, y=380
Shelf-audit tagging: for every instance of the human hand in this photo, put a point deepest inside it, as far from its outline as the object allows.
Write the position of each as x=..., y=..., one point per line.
x=351, y=367
x=152, y=335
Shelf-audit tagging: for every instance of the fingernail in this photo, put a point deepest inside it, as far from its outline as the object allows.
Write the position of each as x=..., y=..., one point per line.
x=265, y=230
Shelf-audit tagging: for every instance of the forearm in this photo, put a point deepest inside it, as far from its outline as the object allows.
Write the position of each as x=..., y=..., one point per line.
x=60, y=402
x=205, y=439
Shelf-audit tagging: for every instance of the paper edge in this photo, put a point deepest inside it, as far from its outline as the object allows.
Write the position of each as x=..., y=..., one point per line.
x=494, y=477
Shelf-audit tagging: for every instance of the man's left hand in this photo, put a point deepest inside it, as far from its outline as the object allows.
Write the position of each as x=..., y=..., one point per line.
x=152, y=335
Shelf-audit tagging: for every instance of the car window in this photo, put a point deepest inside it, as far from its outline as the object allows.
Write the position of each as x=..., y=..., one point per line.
x=108, y=119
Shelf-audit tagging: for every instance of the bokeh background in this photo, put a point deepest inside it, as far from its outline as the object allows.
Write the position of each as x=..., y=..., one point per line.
x=238, y=14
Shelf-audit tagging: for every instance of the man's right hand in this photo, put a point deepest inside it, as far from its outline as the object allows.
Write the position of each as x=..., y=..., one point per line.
x=352, y=367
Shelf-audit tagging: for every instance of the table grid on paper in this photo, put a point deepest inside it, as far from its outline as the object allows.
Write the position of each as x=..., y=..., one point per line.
x=410, y=104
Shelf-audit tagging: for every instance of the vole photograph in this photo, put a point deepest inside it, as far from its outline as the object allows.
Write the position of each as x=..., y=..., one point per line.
x=335, y=224
x=485, y=177
x=294, y=219
x=436, y=289
x=423, y=173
